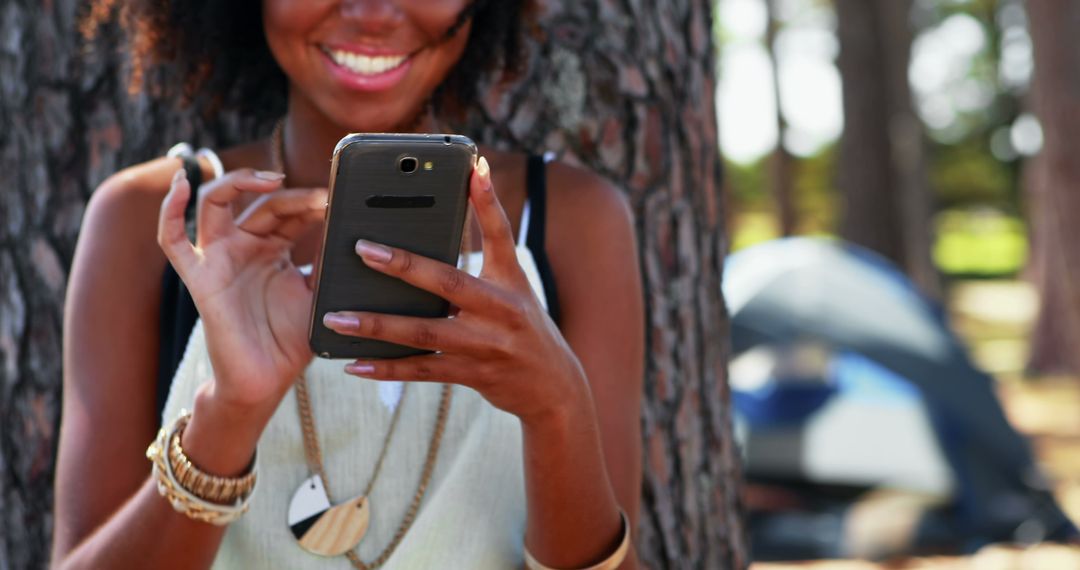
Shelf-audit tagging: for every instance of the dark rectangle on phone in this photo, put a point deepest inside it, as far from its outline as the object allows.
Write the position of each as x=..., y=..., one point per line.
x=400, y=201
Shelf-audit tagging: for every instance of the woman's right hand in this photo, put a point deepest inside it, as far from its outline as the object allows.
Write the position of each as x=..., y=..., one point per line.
x=254, y=303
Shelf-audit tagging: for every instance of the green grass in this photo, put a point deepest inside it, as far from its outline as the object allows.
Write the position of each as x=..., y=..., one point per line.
x=980, y=243
x=972, y=242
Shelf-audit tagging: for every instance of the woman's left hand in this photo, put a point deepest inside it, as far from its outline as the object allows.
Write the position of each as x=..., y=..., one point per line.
x=501, y=342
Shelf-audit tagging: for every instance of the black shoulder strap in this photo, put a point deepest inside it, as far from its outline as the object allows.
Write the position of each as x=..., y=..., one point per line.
x=178, y=316
x=194, y=175
x=536, y=190
x=177, y=313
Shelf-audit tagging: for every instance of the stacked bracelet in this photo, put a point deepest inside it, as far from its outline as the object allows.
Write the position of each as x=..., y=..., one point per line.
x=209, y=487
x=611, y=563
x=198, y=495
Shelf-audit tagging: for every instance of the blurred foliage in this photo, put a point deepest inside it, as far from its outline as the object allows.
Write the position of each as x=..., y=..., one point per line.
x=815, y=198
x=965, y=171
x=813, y=180
x=967, y=174
x=976, y=190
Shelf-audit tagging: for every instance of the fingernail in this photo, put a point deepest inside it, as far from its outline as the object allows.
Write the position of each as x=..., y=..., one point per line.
x=180, y=175
x=373, y=251
x=269, y=175
x=359, y=368
x=339, y=321
x=484, y=170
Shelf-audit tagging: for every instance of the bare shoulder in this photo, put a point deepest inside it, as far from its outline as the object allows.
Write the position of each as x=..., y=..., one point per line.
x=145, y=184
x=585, y=207
x=592, y=248
x=151, y=178
x=134, y=189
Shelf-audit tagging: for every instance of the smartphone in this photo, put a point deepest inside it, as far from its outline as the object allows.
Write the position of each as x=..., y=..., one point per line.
x=403, y=190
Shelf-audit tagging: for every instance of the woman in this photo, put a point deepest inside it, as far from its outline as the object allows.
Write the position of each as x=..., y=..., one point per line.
x=536, y=447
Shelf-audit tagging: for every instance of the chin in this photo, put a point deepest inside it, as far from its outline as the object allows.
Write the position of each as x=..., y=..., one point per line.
x=381, y=121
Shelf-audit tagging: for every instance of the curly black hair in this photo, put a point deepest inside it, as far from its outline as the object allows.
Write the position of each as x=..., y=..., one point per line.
x=207, y=53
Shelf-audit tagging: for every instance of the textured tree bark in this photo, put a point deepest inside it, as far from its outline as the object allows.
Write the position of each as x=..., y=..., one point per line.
x=1055, y=188
x=882, y=171
x=65, y=124
x=625, y=88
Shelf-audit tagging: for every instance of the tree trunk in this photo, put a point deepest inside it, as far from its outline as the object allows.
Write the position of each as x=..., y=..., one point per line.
x=781, y=162
x=882, y=173
x=66, y=123
x=1055, y=194
x=627, y=88
x=623, y=88
x=908, y=153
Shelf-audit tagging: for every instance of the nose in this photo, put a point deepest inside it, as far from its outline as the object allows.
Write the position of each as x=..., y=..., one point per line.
x=372, y=17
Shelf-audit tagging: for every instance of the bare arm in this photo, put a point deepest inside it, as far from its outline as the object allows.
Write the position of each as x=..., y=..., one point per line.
x=110, y=359
x=108, y=510
x=594, y=257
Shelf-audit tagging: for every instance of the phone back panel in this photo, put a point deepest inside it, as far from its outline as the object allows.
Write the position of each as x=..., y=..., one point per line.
x=371, y=198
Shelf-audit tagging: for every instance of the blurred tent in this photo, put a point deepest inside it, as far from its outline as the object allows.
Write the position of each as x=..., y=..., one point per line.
x=845, y=377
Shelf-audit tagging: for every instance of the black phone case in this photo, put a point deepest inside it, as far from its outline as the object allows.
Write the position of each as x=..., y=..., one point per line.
x=371, y=198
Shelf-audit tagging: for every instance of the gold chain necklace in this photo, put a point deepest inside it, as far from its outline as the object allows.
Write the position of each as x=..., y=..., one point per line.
x=361, y=503
x=353, y=523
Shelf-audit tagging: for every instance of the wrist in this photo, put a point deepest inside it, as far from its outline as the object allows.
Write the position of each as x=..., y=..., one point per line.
x=221, y=437
x=565, y=415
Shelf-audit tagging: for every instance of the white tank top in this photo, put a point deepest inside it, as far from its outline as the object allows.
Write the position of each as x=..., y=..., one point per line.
x=473, y=514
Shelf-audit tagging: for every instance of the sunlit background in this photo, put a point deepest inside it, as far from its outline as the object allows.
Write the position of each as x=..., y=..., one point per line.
x=971, y=69
x=780, y=88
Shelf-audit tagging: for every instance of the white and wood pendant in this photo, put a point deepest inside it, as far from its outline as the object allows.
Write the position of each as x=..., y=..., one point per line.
x=322, y=528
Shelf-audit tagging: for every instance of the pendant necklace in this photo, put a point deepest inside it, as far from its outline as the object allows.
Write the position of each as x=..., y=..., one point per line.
x=320, y=526
x=317, y=524
x=323, y=528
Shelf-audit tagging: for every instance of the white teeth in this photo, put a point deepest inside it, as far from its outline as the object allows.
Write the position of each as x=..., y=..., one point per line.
x=365, y=65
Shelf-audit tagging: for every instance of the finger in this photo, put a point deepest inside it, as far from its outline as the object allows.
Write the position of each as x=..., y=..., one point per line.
x=294, y=228
x=270, y=213
x=215, y=213
x=172, y=233
x=433, y=276
x=425, y=368
x=498, y=237
x=443, y=335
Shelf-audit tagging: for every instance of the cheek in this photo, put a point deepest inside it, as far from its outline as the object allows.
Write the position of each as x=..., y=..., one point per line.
x=433, y=21
x=288, y=24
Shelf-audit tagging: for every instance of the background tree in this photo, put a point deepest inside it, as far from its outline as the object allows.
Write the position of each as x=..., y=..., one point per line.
x=881, y=175
x=625, y=88
x=781, y=163
x=1054, y=188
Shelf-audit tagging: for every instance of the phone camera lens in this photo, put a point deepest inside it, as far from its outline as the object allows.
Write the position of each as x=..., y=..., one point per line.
x=408, y=165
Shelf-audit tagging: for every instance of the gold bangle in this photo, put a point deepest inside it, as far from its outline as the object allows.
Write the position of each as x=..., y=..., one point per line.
x=181, y=497
x=208, y=487
x=611, y=563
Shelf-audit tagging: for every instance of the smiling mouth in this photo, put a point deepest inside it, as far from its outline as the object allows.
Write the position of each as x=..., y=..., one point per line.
x=362, y=64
